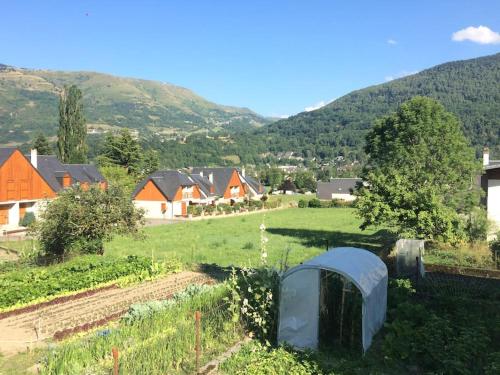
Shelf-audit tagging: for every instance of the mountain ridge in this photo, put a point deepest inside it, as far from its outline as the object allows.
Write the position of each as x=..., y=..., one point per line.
x=29, y=99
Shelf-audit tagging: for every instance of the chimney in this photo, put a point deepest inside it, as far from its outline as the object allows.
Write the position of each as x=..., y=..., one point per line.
x=211, y=178
x=486, y=157
x=243, y=172
x=34, y=157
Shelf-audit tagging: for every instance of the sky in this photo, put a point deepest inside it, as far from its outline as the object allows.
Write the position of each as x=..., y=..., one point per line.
x=275, y=57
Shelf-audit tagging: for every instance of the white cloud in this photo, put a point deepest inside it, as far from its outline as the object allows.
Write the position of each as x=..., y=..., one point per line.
x=391, y=42
x=318, y=105
x=402, y=74
x=481, y=35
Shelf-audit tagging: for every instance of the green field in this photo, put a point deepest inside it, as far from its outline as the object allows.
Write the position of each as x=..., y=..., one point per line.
x=236, y=240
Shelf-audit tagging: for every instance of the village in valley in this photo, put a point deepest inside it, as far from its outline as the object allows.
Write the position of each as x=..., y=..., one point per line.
x=145, y=229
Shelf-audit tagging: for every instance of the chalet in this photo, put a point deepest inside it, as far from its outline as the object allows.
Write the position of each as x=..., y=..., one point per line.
x=166, y=194
x=338, y=188
x=228, y=184
x=490, y=182
x=27, y=181
x=253, y=188
x=22, y=188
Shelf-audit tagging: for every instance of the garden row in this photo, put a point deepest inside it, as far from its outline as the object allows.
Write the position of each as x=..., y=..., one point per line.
x=22, y=284
x=153, y=338
x=220, y=209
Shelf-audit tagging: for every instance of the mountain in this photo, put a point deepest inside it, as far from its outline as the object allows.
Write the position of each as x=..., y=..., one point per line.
x=470, y=89
x=29, y=103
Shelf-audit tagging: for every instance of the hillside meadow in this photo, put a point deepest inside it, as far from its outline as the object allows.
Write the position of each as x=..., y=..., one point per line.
x=303, y=233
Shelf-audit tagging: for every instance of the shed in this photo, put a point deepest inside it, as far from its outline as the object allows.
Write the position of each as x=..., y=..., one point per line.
x=300, y=294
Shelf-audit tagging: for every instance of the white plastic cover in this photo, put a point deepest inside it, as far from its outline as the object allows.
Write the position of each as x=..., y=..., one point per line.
x=300, y=288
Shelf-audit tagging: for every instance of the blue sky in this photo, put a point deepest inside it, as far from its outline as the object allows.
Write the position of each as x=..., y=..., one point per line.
x=275, y=57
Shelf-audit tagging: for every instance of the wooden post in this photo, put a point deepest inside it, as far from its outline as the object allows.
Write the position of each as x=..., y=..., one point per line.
x=197, y=321
x=115, y=361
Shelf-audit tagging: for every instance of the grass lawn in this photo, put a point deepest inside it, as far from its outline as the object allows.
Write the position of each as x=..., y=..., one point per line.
x=236, y=240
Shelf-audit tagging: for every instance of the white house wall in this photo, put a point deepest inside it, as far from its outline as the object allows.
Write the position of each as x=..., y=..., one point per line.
x=152, y=209
x=493, y=202
x=344, y=197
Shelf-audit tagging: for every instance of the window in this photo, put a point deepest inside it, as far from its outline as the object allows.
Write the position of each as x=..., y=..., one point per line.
x=163, y=207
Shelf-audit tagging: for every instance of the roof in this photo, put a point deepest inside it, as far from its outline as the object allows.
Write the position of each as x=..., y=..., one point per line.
x=51, y=168
x=254, y=184
x=85, y=173
x=168, y=182
x=221, y=177
x=203, y=183
x=5, y=153
x=337, y=186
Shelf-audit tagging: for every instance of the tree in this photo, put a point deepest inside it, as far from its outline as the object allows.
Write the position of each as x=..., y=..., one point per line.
x=150, y=163
x=122, y=150
x=118, y=176
x=41, y=144
x=304, y=180
x=80, y=221
x=72, y=134
x=419, y=178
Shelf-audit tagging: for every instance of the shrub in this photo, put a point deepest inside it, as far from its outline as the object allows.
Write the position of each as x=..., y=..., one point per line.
x=477, y=225
x=82, y=220
x=315, y=203
x=302, y=203
x=194, y=210
x=27, y=220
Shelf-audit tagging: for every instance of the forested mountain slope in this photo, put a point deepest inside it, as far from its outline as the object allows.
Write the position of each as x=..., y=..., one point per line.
x=469, y=88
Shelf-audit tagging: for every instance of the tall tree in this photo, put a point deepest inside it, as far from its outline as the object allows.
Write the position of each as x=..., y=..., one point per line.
x=122, y=150
x=41, y=144
x=419, y=178
x=72, y=134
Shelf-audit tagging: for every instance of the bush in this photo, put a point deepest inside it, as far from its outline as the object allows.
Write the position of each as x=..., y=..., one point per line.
x=477, y=225
x=315, y=203
x=194, y=210
x=27, y=220
x=302, y=203
x=82, y=220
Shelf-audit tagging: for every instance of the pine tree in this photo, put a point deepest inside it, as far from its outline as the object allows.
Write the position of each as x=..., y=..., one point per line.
x=41, y=144
x=72, y=134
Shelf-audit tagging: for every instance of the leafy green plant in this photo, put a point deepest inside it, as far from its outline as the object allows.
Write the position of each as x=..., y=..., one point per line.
x=27, y=220
x=31, y=283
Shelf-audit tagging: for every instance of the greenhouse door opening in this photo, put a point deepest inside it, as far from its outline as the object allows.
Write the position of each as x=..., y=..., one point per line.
x=340, y=319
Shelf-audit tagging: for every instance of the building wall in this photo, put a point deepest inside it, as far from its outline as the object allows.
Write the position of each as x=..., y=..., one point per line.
x=234, y=181
x=150, y=193
x=19, y=180
x=345, y=197
x=153, y=209
x=493, y=201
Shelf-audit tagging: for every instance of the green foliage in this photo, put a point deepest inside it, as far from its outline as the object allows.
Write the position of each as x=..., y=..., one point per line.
x=122, y=150
x=314, y=203
x=41, y=144
x=72, y=132
x=417, y=183
x=303, y=203
x=118, y=176
x=140, y=311
x=27, y=220
x=159, y=344
x=82, y=220
x=305, y=181
x=466, y=88
x=29, y=283
x=477, y=225
x=255, y=359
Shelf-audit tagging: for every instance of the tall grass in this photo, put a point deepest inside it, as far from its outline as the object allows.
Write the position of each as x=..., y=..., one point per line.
x=161, y=344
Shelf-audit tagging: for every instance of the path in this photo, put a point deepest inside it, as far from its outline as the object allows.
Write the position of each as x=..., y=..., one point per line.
x=29, y=328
